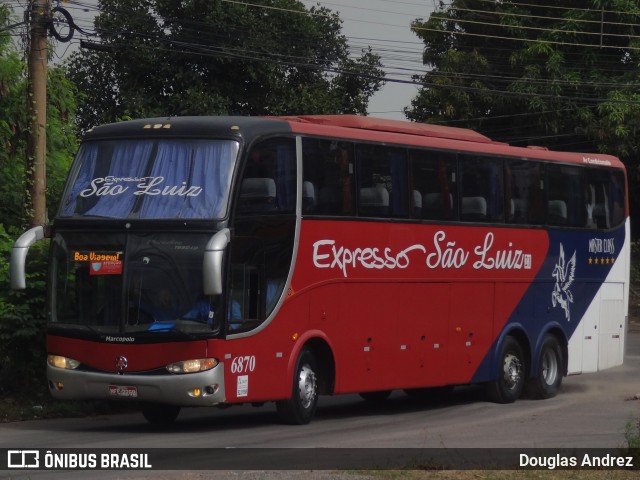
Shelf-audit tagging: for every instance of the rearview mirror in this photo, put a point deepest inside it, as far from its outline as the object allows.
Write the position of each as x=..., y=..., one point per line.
x=212, y=262
x=19, y=256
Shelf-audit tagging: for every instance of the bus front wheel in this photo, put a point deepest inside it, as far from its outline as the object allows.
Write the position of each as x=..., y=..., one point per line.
x=300, y=408
x=158, y=413
x=508, y=386
x=547, y=380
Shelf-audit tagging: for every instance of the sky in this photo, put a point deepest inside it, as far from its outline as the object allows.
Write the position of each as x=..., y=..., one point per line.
x=382, y=24
x=385, y=26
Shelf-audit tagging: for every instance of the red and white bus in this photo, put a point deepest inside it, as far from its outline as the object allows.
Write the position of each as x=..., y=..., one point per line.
x=225, y=260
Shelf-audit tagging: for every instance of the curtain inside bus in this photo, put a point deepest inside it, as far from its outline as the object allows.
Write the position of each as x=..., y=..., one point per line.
x=151, y=179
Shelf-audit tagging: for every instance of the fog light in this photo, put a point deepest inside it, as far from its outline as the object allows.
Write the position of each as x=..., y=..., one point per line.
x=56, y=385
x=196, y=392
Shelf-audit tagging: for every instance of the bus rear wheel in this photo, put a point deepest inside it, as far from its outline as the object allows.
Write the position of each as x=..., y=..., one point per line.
x=301, y=407
x=158, y=413
x=548, y=378
x=512, y=370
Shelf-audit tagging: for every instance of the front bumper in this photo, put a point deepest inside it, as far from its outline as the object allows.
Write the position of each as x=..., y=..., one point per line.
x=169, y=389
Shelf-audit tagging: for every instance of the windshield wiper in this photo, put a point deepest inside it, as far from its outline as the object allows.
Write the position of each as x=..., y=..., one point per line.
x=74, y=327
x=165, y=327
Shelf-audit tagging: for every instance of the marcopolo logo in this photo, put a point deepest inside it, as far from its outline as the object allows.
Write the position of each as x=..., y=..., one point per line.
x=23, y=459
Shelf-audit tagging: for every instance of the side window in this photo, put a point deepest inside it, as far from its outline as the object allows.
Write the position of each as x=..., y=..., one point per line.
x=605, y=199
x=269, y=181
x=567, y=196
x=481, y=189
x=524, y=192
x=382, y=181
x=328, y=183
x=617, y=198
x=263, y=232
x=433, y=184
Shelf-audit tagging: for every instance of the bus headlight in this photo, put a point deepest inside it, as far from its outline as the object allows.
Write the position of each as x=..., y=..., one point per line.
x=192, y=366
x=62, y=362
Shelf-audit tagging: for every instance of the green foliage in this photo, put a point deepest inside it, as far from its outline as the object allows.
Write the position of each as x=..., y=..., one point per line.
x=196, y=57
x=22, y=314
x=632, y=436
x=14, y=130
x=558, y=74
x=22, y=321
x=62, y=138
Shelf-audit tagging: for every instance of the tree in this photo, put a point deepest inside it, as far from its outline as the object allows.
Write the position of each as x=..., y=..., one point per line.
x=558, y=74
x=270, y=57
x=22, y=314
x=14, y=125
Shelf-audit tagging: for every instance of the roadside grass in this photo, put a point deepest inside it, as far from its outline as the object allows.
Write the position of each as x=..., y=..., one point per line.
x=34, y=407
x=632, y=448
x=501, y=474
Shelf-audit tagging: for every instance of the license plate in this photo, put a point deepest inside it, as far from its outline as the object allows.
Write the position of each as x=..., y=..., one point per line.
x=123, y=391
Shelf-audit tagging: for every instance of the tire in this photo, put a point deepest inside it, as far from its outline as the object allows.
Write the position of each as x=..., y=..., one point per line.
x=548, y=378
x=159, y=414
x=379, y=396
x=300, y=408
x=512, y=371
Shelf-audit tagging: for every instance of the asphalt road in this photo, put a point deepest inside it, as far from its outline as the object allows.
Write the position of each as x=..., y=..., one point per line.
x=591, y=411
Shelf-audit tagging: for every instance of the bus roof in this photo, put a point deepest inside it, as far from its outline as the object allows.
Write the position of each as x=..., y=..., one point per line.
x=355, y=127
x=392, y=126
x=435, y=136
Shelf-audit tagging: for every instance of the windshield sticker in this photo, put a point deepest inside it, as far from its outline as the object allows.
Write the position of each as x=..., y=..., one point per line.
x=101, y=263
x=114, y=186
x=443, y=253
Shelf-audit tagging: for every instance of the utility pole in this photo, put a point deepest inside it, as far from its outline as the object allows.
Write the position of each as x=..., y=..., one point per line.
x=36, y=171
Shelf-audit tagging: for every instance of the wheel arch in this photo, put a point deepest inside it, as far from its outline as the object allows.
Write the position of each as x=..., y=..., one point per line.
x=321, y=348
x=326, y=364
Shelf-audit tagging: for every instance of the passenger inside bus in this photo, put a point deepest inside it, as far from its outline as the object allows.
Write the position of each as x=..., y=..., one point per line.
x=166, y=309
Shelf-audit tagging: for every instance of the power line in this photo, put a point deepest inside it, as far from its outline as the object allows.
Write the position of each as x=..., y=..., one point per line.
x=393, y=74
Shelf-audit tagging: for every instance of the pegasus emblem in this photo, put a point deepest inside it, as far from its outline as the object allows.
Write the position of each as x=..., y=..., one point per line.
x=564, y=272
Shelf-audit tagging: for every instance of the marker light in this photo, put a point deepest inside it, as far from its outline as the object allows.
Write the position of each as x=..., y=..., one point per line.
x=192, y=366
x=62, y=362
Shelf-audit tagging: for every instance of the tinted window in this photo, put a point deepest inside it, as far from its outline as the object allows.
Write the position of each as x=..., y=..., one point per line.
x=328, y=183
x=262, y=244
x=524, y=192
x=605, y=198
x=480, y=189
x=268, y=183
x=433, y=186
x=382, y=181
x=566, y=196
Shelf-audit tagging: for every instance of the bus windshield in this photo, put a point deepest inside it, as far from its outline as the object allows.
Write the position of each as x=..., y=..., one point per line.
x=131, y=282
x=151, y=179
